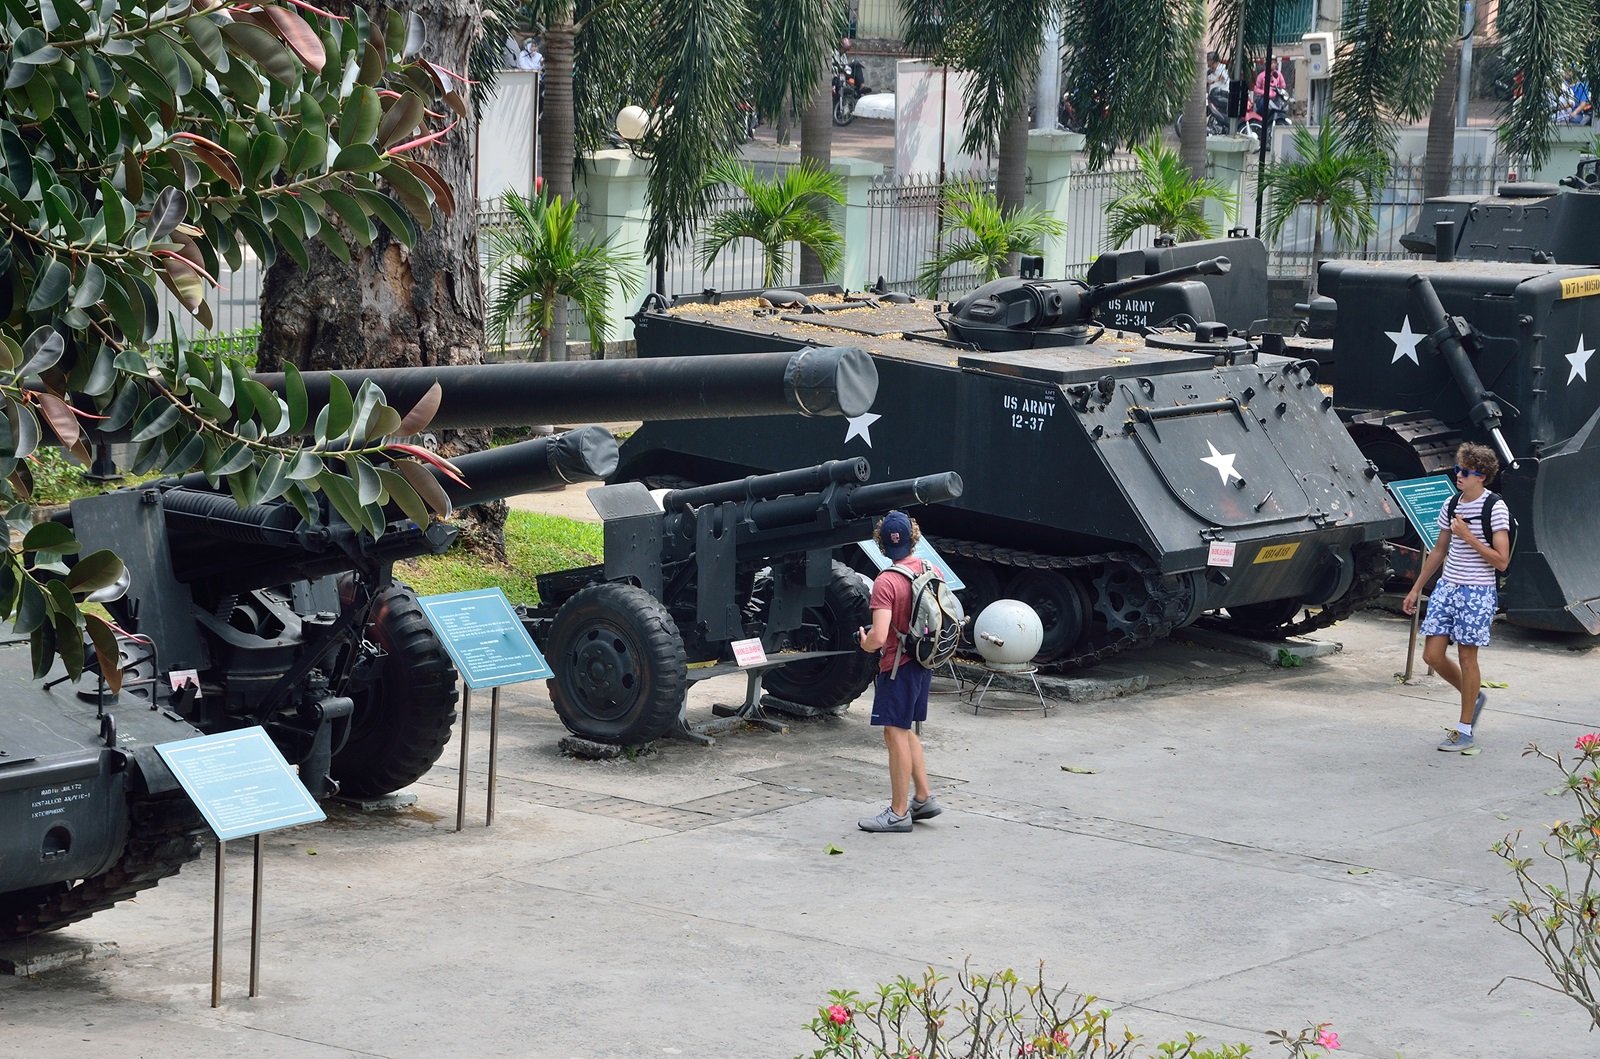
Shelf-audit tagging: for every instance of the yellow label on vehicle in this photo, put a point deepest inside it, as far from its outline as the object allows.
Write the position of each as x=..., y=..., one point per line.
x=1277, y=553
x=1580, y=287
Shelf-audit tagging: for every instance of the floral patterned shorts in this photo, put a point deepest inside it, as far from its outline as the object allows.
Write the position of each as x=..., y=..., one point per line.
x=1461, y=612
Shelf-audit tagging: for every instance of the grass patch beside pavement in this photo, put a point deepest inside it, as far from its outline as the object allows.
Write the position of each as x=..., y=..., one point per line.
x=535, y=544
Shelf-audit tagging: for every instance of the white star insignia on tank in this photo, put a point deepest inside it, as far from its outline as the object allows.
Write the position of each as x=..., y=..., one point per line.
x=1223, y=462
x=861, y=427
x=1405, y=342
x=1580, y=363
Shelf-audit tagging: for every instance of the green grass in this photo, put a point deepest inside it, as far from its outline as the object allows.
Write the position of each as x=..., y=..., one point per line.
x=535, y=544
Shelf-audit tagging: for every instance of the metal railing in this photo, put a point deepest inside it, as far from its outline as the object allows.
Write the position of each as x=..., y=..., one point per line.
x=1092, y=195
x=906, y=229
x=1396, y=210
x=738, y=267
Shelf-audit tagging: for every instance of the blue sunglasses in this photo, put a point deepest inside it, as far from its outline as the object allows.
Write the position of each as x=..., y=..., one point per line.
x=1468, y=471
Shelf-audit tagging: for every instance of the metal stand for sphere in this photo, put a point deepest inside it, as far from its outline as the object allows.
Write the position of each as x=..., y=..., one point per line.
x=1032, y=673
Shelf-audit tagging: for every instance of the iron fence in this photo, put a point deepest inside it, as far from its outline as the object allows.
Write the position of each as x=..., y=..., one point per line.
x=907, y=228
x=739, y=266
x=1087, y=205
x=1396, y=211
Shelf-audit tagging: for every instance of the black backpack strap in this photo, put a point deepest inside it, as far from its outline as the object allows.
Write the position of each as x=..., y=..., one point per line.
x=1487, y=513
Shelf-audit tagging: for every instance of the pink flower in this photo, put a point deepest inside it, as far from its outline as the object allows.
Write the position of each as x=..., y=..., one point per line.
x=838, y=1014
x=1061, y=1039
x=1328, y=1039
x=1588, y=743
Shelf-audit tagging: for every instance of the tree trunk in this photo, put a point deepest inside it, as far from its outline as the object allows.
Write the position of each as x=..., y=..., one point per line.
x=1442, y=127
x=1192, y=144
x=1011, y=161
x=558, y=135
x=393, y=306
x=816, y=147
x=558, y=151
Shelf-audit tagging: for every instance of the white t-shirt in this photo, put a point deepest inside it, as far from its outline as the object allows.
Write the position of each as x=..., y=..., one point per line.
x=1462, y=563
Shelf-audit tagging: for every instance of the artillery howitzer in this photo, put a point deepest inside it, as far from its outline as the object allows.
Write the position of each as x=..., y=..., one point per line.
x=1122, y=484
x=709, y=566
x=296, y=624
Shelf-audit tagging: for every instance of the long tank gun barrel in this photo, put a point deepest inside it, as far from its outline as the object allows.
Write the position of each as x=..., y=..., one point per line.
x=1097, y=296
x=852, y=503
x=811, y=382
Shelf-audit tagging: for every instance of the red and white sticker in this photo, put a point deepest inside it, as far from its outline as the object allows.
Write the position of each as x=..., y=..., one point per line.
x=1221, y=553
x=749, y=652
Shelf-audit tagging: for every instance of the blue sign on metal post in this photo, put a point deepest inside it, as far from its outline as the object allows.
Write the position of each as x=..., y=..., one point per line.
x=485, y=638
x=1422, y=499
x=923, y=551
x=240, y=783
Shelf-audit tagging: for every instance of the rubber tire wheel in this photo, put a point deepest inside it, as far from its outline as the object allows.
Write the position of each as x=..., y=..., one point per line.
x=844, y=109
x=402, y=720
x=620, y=669
x=1062, y=604
x=830, y=684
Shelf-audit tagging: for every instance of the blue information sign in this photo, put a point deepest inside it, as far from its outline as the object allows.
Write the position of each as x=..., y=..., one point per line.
x=923, y=551
x=485, y=638
x=1422, y=499
x=240, y=783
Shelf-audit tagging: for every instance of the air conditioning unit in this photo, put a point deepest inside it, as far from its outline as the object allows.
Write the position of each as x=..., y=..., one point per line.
x=1319, y=55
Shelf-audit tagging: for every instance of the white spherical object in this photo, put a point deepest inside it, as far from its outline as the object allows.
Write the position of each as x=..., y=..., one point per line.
x=1008, y=634
x=632, y=121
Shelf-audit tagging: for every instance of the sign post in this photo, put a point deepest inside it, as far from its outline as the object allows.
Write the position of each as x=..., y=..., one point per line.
x=490, y=648
x=1421, y=499
x=242, y=786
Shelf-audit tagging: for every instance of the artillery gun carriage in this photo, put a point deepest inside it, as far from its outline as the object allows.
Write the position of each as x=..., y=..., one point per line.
x=242, y=616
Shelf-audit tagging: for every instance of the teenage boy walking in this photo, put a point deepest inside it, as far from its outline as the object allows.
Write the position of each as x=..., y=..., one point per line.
x=899, y=698
x=1464, y=603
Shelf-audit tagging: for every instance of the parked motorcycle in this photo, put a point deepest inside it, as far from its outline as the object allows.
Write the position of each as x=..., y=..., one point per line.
x=1216, y=114
x=849, y=85
x=1277, y=109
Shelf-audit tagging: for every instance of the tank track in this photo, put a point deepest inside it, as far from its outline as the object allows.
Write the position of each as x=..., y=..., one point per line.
x=1372, y=571
x=164, y=835
x=1163, y=599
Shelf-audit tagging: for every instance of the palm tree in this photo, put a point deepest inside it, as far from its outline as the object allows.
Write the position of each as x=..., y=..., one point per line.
x=1338, y=176
x=1163, y=194
x=779, y=211
x=540, y=260
x=982, y=234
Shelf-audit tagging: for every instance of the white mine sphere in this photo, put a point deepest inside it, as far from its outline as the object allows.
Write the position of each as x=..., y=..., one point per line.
x=1008, y=634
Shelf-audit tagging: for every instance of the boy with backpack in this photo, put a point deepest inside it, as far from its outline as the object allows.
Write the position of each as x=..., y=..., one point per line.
x=900, y=695
x=1474, y=545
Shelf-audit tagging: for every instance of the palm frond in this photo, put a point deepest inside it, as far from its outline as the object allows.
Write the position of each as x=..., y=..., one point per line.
x=1541, y=39
x=980, y=234
x=1331, y=170
x=786, y=209
x=1163, y=194
x=540, y=258
x=1389, y=59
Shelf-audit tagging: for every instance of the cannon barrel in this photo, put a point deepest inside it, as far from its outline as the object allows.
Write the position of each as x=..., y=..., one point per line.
x=1096, y=296
x=811, y=382
x=1450, y=336
x=205, y=524
x=854, y=503
x=768, y=486
x=587, y=454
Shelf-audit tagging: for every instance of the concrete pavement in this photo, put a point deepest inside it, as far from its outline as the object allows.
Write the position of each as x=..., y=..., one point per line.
x=1255, y=848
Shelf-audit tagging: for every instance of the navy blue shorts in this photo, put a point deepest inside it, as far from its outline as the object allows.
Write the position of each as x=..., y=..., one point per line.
x=903, y=701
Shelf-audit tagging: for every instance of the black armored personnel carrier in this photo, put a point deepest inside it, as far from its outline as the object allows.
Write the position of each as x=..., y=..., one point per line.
x=1124, y=482
x=234, y=617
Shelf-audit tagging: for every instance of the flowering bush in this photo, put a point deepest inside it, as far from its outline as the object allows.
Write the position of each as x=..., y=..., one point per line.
x=1561, y=919
x=997, y=1016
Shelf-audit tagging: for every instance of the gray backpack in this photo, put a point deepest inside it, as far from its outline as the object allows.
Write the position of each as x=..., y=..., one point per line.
x=936, y=620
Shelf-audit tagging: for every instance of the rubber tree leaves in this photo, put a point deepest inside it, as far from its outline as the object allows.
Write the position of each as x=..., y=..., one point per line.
x=149, y=144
